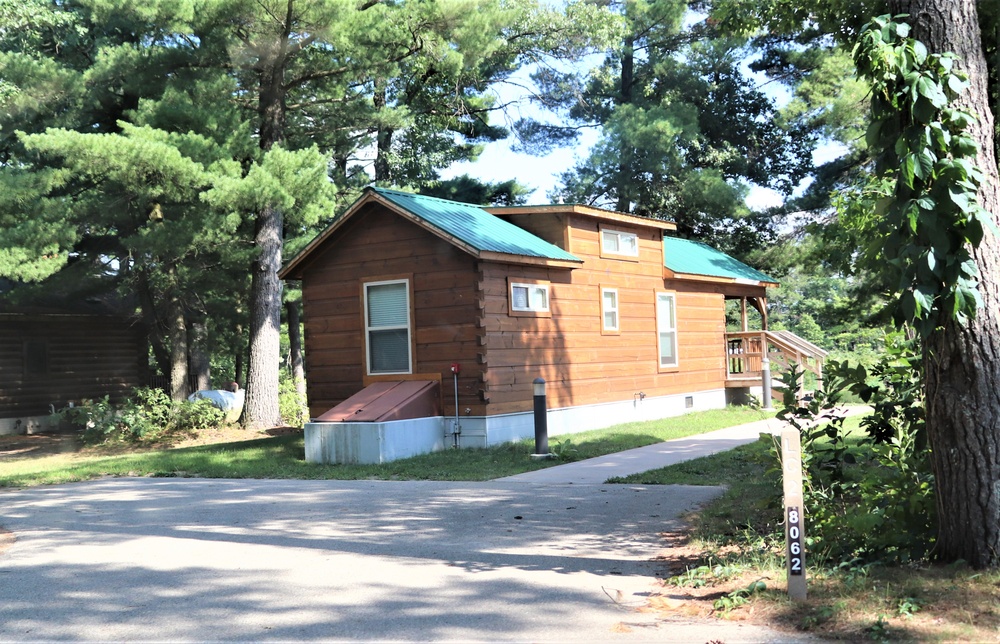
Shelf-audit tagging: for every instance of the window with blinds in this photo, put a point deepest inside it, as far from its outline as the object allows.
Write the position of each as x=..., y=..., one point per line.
x=387, y=325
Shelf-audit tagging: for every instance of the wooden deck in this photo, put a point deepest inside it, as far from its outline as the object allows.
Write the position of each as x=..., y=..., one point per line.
x=746, y=351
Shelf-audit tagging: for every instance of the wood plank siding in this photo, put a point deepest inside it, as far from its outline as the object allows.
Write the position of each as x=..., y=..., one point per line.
x=54, y=359
x=580, y=364
x=377, y=244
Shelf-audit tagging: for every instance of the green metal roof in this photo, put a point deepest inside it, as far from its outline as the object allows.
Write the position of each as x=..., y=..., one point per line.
x=696, y=258
x=474, y=226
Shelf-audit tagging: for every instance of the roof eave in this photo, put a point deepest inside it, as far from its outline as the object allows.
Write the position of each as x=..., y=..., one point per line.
x=530, y=260
x=695, y=277
x=587, y=211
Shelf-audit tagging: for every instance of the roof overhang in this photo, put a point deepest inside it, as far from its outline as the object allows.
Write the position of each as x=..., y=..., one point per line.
x=669, y=274
x=586, y=211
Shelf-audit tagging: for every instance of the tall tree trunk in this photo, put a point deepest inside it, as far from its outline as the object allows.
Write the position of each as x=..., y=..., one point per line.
x=383, y=140
x=295, y=346
x=624, y=203
x=198, y=360
x=962, y=385
x=178, y=351
x=295, y=351
x=153, y=324
x=261, y=409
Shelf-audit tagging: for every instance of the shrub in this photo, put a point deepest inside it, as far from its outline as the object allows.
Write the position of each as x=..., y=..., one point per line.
x=146, y=416
x=868, y=499
x=291, y=404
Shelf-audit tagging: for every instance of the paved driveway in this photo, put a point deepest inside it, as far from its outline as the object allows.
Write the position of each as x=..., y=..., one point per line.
x=198, y=559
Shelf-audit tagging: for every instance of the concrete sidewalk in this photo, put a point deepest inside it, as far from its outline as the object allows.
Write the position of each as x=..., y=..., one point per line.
x=595, y=471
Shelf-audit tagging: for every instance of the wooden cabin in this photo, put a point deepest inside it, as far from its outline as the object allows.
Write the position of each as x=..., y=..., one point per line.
x=49, y=361
x=621, y=320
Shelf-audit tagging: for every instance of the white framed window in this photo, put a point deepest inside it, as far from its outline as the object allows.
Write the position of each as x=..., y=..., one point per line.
x=387, y=326
x=609, y=309
x=533, y=298
x=619, y=242
x=666, y=328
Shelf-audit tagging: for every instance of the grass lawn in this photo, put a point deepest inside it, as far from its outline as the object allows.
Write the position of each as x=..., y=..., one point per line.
x=737, y=541
x=283, y=457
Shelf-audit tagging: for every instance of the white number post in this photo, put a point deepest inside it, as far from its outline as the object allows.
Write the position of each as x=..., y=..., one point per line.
x=791, y=466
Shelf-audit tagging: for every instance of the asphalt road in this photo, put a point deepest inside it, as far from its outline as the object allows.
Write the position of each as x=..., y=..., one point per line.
x=200, y=559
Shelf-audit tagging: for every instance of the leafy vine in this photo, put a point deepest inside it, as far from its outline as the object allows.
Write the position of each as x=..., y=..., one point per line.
x=930, y=217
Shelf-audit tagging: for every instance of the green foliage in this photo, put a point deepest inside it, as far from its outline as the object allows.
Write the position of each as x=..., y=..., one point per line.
x=135, y=151
x=706, y=575
x=468, y=189
x=291, y=404
x=738, y=597
x=146, y=416
x=564, y=450
x=932, y=218
x=867, y=499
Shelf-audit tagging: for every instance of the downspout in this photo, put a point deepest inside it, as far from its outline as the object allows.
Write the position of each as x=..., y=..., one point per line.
x=456, y=429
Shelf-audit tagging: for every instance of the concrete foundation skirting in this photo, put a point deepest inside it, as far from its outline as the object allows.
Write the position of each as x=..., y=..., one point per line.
x=367, y=443
x=29, y=424
x=370, y=443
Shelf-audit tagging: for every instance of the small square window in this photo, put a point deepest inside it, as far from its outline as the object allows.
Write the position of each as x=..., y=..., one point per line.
x=617, y=242
x=529, y=297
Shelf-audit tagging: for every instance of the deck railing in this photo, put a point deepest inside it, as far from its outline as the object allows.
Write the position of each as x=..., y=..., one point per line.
x=745, y=352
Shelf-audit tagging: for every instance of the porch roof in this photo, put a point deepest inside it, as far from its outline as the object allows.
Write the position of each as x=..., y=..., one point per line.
x=688, y=257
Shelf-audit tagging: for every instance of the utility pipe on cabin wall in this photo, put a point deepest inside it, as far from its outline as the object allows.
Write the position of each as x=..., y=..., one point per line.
x=457, y=428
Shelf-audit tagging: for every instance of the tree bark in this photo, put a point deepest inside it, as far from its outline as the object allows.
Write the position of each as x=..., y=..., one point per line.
x=295, y=354
x=153, y=324
x=295, y=347
x=178, y=351
x=261, y=409
x=962, y=388
x=198, y=360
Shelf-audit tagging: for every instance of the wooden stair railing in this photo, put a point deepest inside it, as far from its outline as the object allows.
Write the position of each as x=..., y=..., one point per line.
x=746, y=350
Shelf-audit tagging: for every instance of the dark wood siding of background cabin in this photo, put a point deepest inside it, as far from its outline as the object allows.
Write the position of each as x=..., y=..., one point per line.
x=87, y=357
x=580, y=364
x=377, y=243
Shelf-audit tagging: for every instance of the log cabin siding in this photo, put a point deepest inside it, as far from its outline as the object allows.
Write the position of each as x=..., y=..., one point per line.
x=580, y=364
x=377, y=244
x=54, y=359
